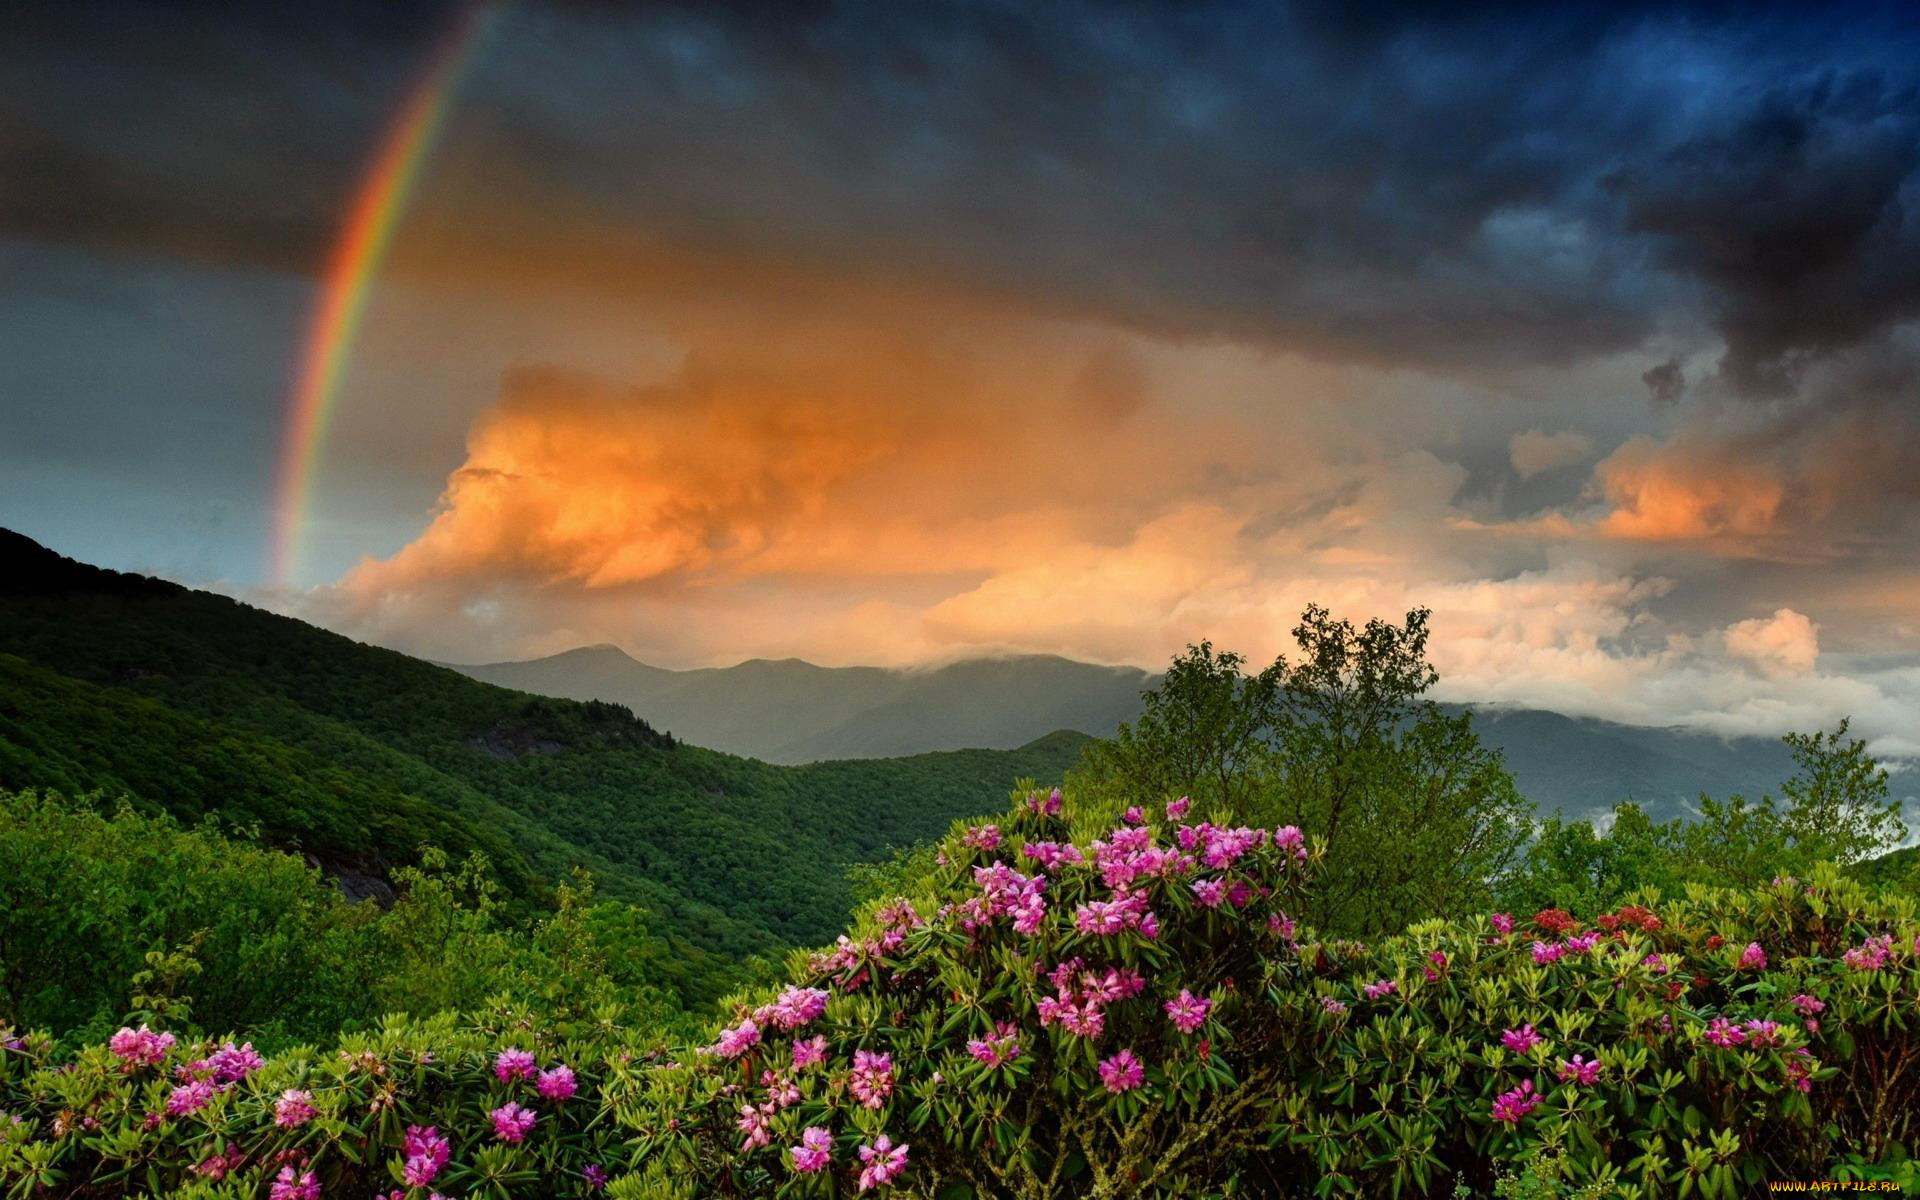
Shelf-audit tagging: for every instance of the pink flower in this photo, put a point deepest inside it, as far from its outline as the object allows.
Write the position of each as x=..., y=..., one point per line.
x=736, y=1041
x=882, y=1161
x=1762, y=1034
x=1870, y=955
x=1583, y=942
x=1724, y=1033
x=557, y=1084
x=231, y=1064
x=1800, y=1070
x=1048, y=806
x=1503, y=923
x=1187, y=1011
x=997, y=1048
x=753, y=1127
x=1209, y=892
x=1753, y=958
x=792, y=1008
x=1544, y=952
x=1331, y=1006
x=294, y=1185
x=872, y=1078
x=814, y=1151
x=511, y=1123
x=1383, y=987
x=1521, y=1040
x=1808, y=1005
x=514, y=1063
x=1289, y=837
x=189, y=1099
x=1177, y=809
x=594, y=1174
x=1655, y=963
x=1133, y=816
x=140, y=1047
x=1509, y=1107
x=809, y=1053
x=294, y=1107
x=1122, y=1073
x=1579, y=1070
x=981, y=837
x=426, y=1153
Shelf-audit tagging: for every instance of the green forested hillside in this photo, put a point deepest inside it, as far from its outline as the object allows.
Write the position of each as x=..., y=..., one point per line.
x=199, y=705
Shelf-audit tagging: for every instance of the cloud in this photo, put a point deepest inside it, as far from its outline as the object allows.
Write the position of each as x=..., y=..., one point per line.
x=1533, y=451
x=1464, y=188
x=1787, y=643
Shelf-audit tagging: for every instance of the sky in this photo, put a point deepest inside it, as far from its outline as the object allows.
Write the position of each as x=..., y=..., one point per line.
x=882, y=333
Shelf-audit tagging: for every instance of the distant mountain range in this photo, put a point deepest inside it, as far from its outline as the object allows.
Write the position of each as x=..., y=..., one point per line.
x=790, y=711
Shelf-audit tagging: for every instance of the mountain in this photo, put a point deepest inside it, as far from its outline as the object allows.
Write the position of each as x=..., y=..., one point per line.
x=201, y=706
x=793, y=711
x=790, y=711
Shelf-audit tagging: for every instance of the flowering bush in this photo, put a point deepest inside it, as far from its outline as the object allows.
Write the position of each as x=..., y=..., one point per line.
x=1053, y=1015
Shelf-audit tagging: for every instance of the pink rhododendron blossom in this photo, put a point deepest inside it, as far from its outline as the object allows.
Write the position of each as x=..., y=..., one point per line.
x=1503, y=923
x=1209, y=892
x=1052, y=855
x=1332, y=1006
x=426, y=1152
x=1046, y=806
x=294, y=1185
x=814, y=1152
x=1807, y=1005
x=1724, y=1033
x=1509, y=1107
x=1578, y=1070
x=512, y=1123
x=140, y=1047
x=1521, y=1040
x=231, y=1063
x=809, y=1053
x=1133, y=816
x=1122, y=1072
x=294, y=1107
x=997, y=1048
x=1655, y=963
x=792, y=1008
x=1582, y=943
x=1188, y=1011
x=514, y=1063
x=981, y=837
x=872, y=1078
x=882, y=1161
x=557, y=1084
x=1177, y=809
x=737, y=1040
x=1753, y=958
x=753, y=1127
x=189, y=1099
x=1379, y=988
x=1762, y=1034
x=1548, y=952
x=1870, y=955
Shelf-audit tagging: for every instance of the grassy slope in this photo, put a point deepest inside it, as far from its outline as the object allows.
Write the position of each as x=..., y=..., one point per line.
x=199, y=704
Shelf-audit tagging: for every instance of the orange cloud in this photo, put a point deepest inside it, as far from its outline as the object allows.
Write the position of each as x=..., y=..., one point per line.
x=1687, y=491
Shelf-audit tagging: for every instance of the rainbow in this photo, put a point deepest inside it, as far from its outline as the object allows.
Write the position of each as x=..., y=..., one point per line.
x=348, y=281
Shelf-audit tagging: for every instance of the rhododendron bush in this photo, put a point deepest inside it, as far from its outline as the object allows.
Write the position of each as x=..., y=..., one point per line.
x=1115, y=1009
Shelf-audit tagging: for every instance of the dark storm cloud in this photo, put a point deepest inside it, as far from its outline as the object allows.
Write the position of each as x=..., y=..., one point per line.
x=1482, y=187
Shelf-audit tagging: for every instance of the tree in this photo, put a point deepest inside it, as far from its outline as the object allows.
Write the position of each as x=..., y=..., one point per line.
x=1837, y=804
x=1205, y=731
x=1419, y=817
